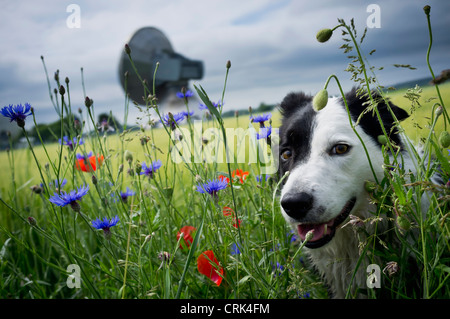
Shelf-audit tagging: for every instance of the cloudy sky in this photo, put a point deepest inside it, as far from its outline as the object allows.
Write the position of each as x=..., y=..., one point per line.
x=270, y=43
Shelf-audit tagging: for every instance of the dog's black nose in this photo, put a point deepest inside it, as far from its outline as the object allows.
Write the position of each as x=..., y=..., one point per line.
x=297, y=205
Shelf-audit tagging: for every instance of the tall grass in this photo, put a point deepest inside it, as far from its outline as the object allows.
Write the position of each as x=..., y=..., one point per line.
x=145, y=255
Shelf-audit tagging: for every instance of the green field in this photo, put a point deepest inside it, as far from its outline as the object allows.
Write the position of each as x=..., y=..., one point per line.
x=183, y=231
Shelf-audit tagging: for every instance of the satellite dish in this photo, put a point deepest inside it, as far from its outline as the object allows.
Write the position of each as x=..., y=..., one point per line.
x=149, y=45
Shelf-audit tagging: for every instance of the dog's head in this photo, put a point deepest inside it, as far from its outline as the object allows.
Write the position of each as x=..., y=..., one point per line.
x=327, y=162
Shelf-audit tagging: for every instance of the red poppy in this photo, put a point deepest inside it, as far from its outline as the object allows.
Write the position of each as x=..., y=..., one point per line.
x=81, y=164
x=227, y=211
x=208, y=265
x=224, y=178
x=241, y=174
x=186, y=230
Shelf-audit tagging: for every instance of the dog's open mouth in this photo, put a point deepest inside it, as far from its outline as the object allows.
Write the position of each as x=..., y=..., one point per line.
x=324, y=232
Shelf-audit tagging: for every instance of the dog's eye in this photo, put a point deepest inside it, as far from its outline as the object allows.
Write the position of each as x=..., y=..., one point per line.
x=286, y=155
x=340, y=149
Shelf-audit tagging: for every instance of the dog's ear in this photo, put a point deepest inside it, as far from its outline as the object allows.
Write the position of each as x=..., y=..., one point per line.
x=399, y=113
x=359, y=104
x=367, y=119
x=292, y=102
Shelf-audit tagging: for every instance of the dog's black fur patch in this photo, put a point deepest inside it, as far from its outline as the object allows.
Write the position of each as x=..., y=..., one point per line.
x=296, y=128
x=369, y=121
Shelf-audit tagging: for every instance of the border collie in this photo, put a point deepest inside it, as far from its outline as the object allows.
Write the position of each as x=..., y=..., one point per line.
x=328, y=168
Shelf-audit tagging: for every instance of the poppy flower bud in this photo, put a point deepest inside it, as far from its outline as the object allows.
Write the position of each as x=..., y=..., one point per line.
x=324, y=35
x=427, y=9
x=309, y=235
x=94, y=180
x=370, y=186
x=320, y=100
x=444, y=139
x=228, y=64
x=128, y=156
x=403, y=223
x=382, y=139
x=439, y=111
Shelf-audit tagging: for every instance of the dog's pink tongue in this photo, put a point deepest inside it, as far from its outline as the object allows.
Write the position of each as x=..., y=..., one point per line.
x=319, y=231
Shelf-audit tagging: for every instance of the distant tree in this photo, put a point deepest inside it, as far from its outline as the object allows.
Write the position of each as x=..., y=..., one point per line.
x=52, y=132
x=263, y=107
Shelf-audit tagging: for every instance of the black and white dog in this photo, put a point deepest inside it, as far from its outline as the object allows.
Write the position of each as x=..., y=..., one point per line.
x=328, y=168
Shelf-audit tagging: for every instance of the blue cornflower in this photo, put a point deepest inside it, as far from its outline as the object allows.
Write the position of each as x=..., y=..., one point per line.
x=71, y=143
x=306, y=295
x=293, y=235
x=125, y=195
x=172, y=121
x=57, y=183
x=264, y=132
x=204, y=107
x=105, y=225
x=17, y=113
x=149, y=170
x=260, y=118
x=278, y=269
x=187, y=114
x=70, y=198
x=182, y=95
x=259, y=178
x=212, y=186
x=235, y=249
x=84, y=156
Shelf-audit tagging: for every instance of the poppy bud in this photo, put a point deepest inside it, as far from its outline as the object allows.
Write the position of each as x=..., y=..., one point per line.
x=128, y=156
x=62, y=90
x=370, y=186
x=324, y=35
x=382, y=139
x=439, y=111
x=228, y=64
x=309, y=235
x=320, y=100
x=426, y=9
x=444, y=139
x=403, y=223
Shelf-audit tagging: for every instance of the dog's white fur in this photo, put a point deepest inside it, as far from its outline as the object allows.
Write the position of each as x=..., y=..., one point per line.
x=334, y=180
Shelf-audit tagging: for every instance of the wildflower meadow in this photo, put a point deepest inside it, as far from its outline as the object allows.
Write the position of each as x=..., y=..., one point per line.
x=187, y=207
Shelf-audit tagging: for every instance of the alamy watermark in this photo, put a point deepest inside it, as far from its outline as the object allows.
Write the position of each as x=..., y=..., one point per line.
x=74, y=279
x=373, y=276
x=73, y=21
x=374, y=19
x=243, y=146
